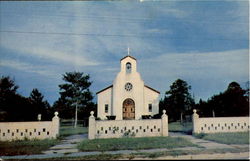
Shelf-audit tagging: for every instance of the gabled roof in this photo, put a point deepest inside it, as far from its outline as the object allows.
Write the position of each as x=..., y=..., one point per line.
x=112, y=86
x=104, y=89
x=152, y=89
x=127, y=56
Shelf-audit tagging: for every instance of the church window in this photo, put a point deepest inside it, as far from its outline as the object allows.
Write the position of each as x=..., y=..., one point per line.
x=128, y=86
x=150, y=107
x=106, y=108
x=128, y=68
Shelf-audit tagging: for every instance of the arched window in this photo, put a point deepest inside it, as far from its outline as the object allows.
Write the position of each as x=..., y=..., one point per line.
x=128, y=67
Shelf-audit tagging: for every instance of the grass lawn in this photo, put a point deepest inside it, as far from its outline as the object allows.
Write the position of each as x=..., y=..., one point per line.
x=133, y=143
x=185, y=127
x=25, y=147
x=227, y=138
x=148, y=155
x=70, y=130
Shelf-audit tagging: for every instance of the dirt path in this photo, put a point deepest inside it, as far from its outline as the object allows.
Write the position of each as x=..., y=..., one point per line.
x=243, y=156
x=206, y=143
x=68, y=145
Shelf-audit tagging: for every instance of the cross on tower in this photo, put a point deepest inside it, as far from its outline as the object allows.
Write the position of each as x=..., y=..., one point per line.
x=128, y=50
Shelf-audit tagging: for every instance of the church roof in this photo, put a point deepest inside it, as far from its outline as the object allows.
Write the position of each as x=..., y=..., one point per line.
x=112, y=86
x=127, y=56
x=104, y=89
x=152, y=89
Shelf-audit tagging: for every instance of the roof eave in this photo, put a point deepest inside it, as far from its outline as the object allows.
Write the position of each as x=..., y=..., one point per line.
x=104, y=89
x=152, y=89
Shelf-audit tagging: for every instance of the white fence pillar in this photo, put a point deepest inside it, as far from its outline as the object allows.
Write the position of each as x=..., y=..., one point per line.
x=195, y=121
x=55, y=125
x=164, y=123
x=91, y=133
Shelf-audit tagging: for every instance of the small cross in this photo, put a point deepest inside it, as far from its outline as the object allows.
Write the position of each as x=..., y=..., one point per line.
x=128, y=50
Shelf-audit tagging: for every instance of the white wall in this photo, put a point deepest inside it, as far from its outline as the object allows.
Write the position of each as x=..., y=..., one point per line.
x=219, y=124
x=103, y=98
x=151, y=97
x=120, y=94
x=118, y=128
x=29, y=130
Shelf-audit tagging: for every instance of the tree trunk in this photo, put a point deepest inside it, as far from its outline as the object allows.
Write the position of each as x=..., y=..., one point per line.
x=181, y=118
x=213, y=113
x=76, y=116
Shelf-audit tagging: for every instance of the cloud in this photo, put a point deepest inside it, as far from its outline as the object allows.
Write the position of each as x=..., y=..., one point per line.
x=158, y=31
x=27, y=67
x=233, y=63
x=208, y=73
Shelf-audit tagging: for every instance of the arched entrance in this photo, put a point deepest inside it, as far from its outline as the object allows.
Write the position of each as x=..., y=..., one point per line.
x=128, y=109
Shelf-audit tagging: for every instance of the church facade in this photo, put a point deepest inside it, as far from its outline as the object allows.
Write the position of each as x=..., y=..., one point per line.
x=128, y=98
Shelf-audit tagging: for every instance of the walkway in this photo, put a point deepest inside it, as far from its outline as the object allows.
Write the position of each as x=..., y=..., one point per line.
x=206, y=143
x=67, y=148
x=68, y=145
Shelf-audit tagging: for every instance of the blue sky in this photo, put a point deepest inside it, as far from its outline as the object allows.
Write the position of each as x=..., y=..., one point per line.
x=205, y=43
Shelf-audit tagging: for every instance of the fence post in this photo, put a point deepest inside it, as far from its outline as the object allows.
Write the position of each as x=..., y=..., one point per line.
x=91, y=133
x=164, y=123
x=39, y=117
x=55, y=125
x=195, y=121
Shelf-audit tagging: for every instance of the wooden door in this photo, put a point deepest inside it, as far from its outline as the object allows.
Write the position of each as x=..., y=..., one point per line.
x=128, y=109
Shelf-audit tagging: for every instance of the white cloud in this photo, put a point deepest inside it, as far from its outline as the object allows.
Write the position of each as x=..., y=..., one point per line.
x=230, y=63
x=208, y=73
x=27, y=67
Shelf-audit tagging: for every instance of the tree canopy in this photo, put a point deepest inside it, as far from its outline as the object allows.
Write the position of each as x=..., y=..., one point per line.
x=233, y=101
x=15, y=107
x=178, y=100
x=74, y=94
x=40, y=105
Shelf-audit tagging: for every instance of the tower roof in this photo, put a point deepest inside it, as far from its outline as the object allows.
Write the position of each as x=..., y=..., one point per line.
x=127, y=56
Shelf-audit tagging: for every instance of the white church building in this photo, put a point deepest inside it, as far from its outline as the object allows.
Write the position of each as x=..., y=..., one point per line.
x=128, y=98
